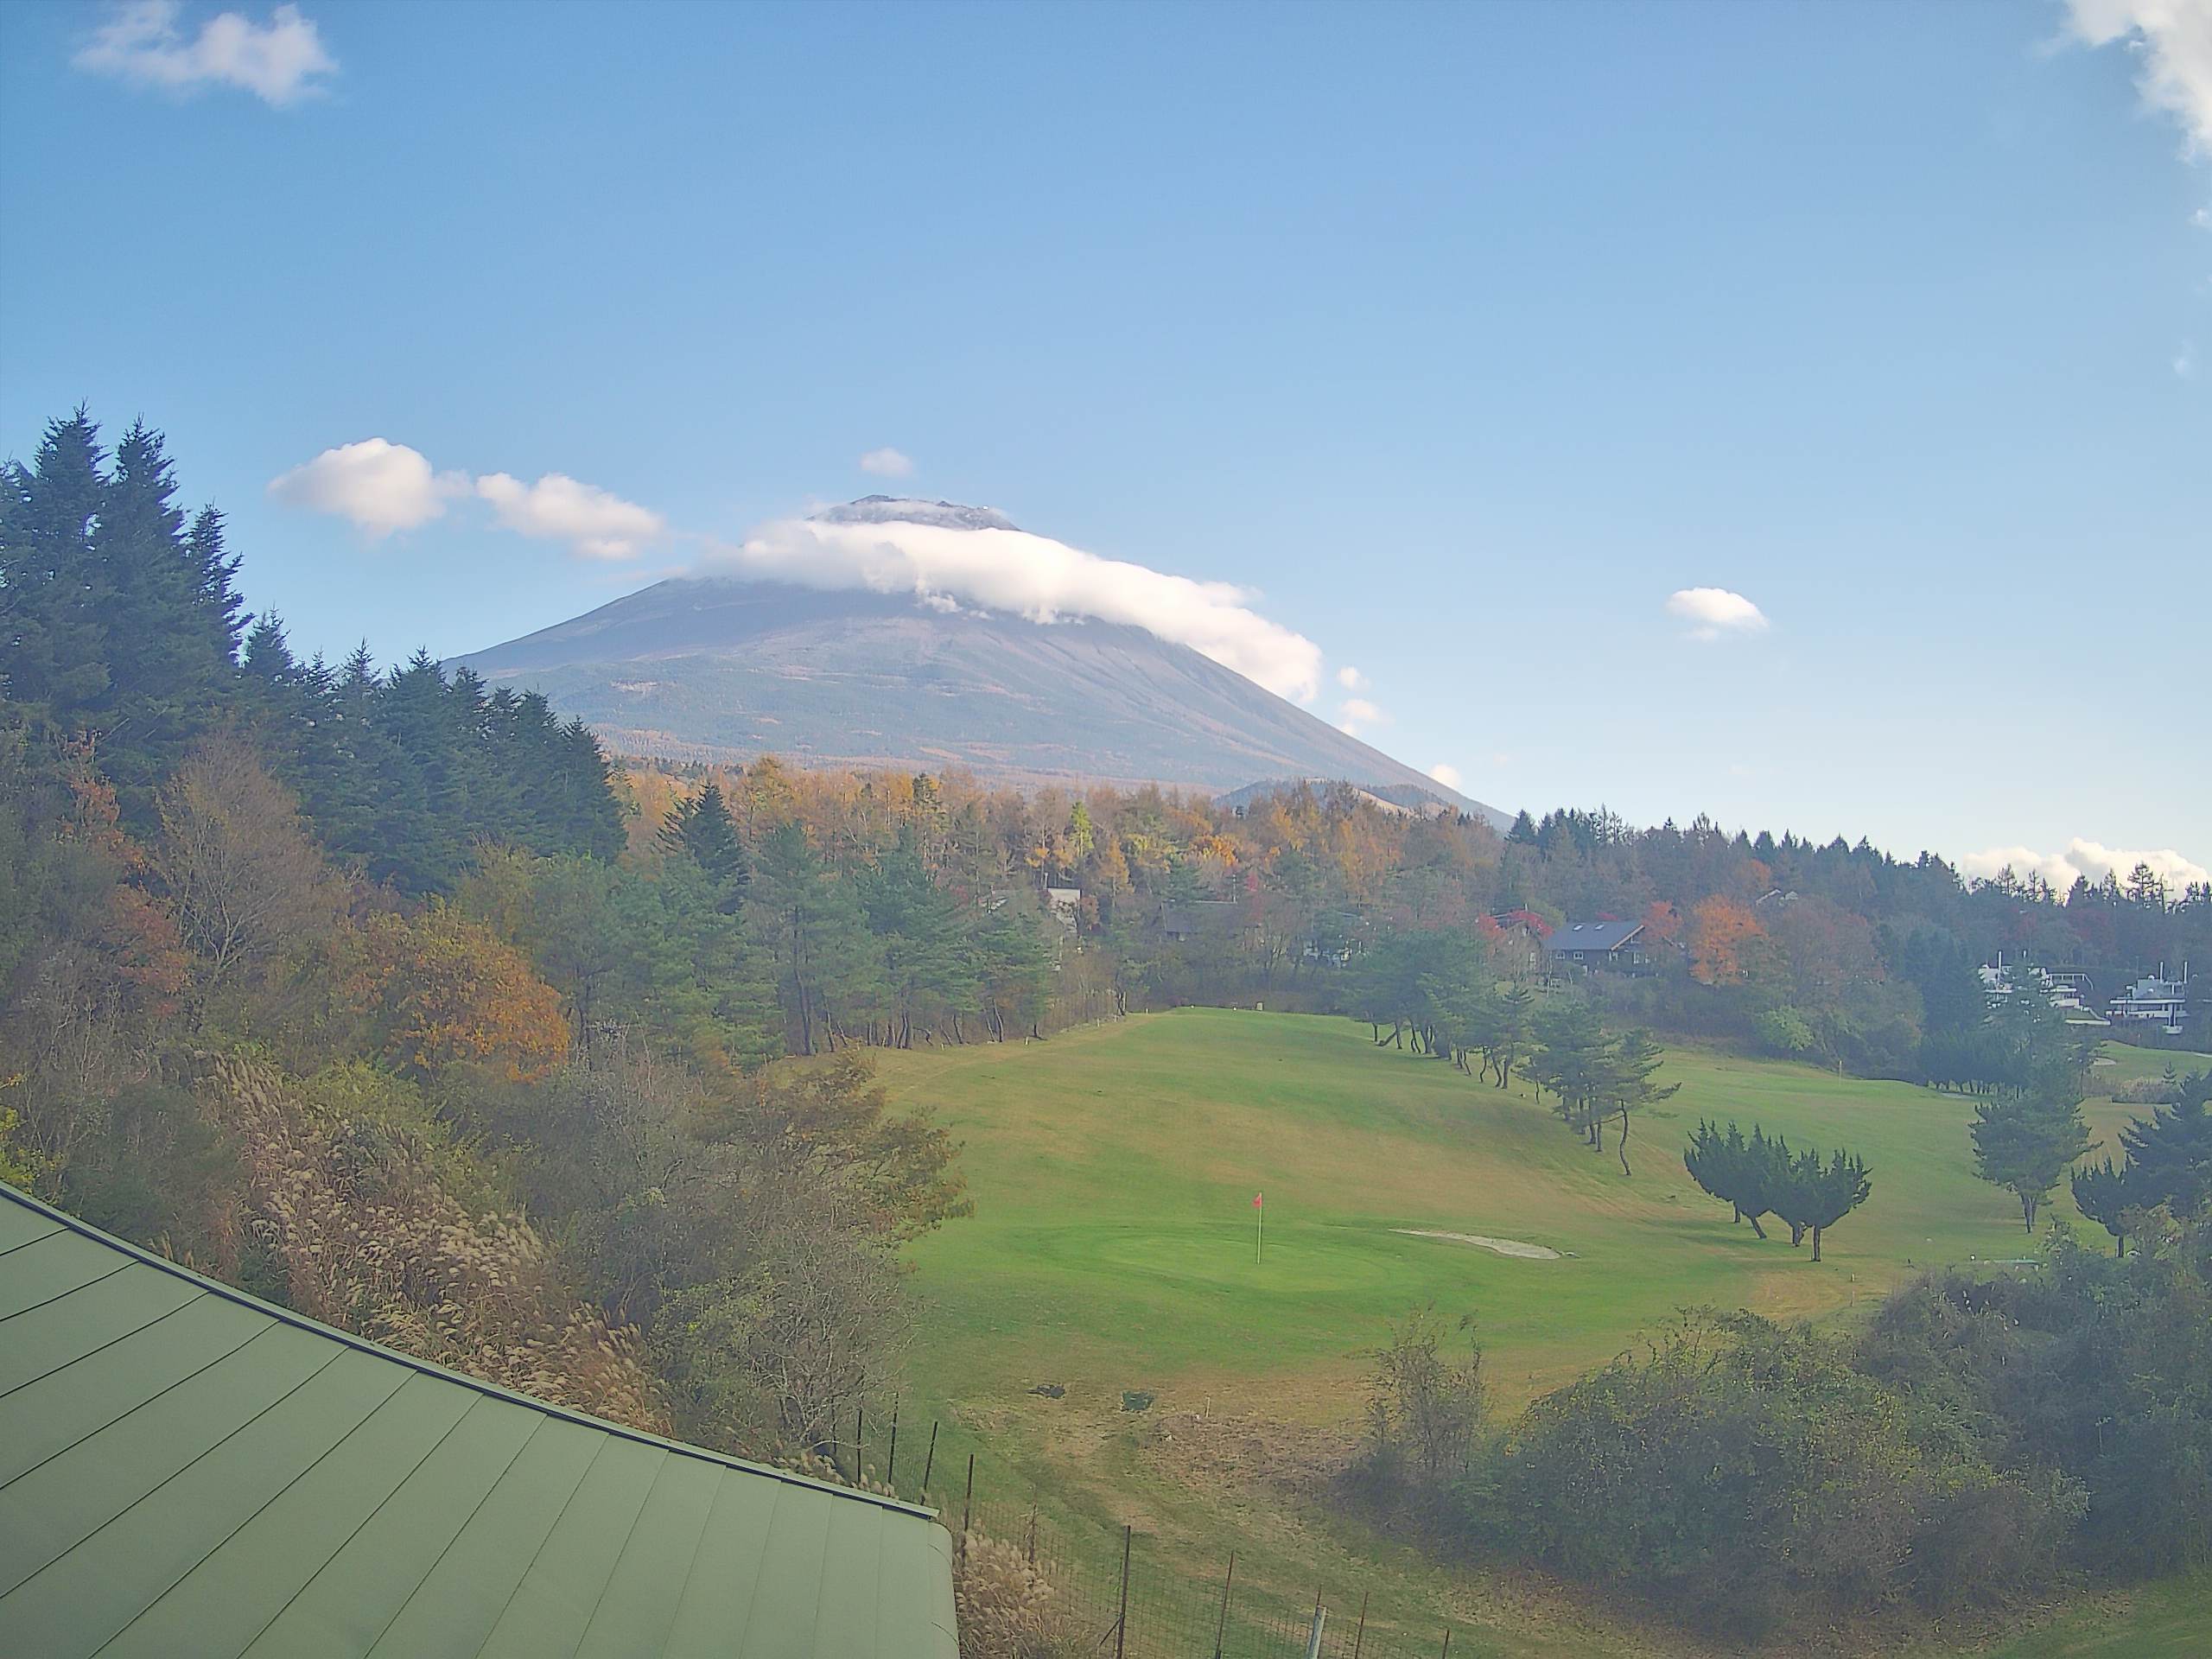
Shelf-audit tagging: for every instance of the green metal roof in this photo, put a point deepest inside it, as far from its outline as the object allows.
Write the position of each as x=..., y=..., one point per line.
x=186, y=1471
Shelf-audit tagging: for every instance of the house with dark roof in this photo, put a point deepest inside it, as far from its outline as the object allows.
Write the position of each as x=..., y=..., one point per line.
x=185, y=1470
x=1617, y=947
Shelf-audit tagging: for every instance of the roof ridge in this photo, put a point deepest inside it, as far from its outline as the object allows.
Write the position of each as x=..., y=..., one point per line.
x=427, y=1368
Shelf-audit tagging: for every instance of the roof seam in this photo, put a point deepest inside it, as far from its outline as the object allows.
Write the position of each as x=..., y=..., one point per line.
x=362, y=1345
x=308, y=1468
x=530, y=1566
x=469, y=1519
x=312, y=1579
x=122, y=1337
x=121, y=1416
x=621, y=1552
x=24, y=1244
x=59, y=1294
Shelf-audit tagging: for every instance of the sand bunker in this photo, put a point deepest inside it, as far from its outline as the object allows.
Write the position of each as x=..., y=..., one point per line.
x=1503, y=1246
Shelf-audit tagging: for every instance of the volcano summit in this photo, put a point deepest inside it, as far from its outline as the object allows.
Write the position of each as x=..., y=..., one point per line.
x=923, y=635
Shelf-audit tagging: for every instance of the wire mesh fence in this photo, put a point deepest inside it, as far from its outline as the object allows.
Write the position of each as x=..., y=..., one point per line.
x=1123, y=1594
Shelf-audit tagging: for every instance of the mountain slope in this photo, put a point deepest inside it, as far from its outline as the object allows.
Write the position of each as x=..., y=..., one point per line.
x=726, y=668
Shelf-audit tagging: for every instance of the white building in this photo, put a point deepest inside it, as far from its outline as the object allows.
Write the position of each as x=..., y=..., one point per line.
x=2151, y=1001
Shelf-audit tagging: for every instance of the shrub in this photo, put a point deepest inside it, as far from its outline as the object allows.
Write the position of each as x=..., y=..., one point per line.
x=1006, y=1602
x=1747, y=1475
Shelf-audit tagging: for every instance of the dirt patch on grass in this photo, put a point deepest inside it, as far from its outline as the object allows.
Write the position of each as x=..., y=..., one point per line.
x=1483, y=1241
x=1231, y=1454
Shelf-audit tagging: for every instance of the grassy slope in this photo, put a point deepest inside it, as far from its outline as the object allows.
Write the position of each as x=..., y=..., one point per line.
x=1112, y=1248
x=2129, y=1064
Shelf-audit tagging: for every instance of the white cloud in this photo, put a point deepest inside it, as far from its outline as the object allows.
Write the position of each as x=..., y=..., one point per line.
x=1713, y=611
x=2172, y=40
x=1351, y=679
x=1447, y=775
x=1354, y=715
x=1033, y=576
x=279, y=61
x=593, y=521
x=381, y=486
x=2185, y=361
x=888, y=462
x=2083, y=858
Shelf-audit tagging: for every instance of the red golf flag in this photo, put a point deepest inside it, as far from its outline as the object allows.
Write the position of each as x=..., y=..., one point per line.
x=1256, y=1196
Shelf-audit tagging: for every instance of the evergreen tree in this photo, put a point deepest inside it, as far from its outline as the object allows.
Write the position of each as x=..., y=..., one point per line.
x=829, y=967
x=2024, y=1143
x=2106, y=1195
x=1812, y=1196
x=700, y=828
x=171, y=620
x=1629, y=1083
x=53, y=595
x=2170, y=1156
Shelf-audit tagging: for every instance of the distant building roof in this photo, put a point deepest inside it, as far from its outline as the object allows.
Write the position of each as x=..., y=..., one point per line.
x=184, y=1469
x=1527, y=918
x=1591, y=935
x=1202, y=916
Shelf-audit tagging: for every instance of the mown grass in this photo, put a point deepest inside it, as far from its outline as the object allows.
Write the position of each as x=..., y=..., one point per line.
x=2129, y=1064
x=1113, y=1247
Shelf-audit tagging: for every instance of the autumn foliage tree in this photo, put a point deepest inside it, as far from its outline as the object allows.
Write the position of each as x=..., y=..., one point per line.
x=1721, y=931
x=447, y=991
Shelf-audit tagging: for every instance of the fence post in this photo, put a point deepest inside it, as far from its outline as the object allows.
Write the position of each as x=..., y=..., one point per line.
x=1221, y=1624
x=1314, y=1636
x=1122, y=1618
x=891, y=1465
x=860, y=1438
x=1447, y=1643
x=1359, y=1636
x=930, y=1462
x=968, y=1504
x=1033, y=1529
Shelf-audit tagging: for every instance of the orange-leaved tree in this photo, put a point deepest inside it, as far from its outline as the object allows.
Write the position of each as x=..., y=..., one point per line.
x=447, y=991
x=1722, y=931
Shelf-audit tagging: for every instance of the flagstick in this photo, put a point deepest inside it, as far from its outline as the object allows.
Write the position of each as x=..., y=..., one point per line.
x=1259, y=1232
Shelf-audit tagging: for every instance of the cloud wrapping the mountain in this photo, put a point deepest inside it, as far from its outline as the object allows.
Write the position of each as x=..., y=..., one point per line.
x=381, y=486
x=1032, y=576
x=1446, y=774
x=2087, y=858
x=1715, y=612
x=280, y=61
x=2172, y=39
x=595, y=522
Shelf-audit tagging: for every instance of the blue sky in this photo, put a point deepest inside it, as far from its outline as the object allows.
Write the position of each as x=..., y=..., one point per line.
x=1464, y=336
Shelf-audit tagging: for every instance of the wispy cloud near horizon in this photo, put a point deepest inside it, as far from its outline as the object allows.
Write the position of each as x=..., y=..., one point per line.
x=2088, y=860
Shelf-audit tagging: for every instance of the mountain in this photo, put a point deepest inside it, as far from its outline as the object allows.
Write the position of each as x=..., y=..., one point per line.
x=726, y=668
